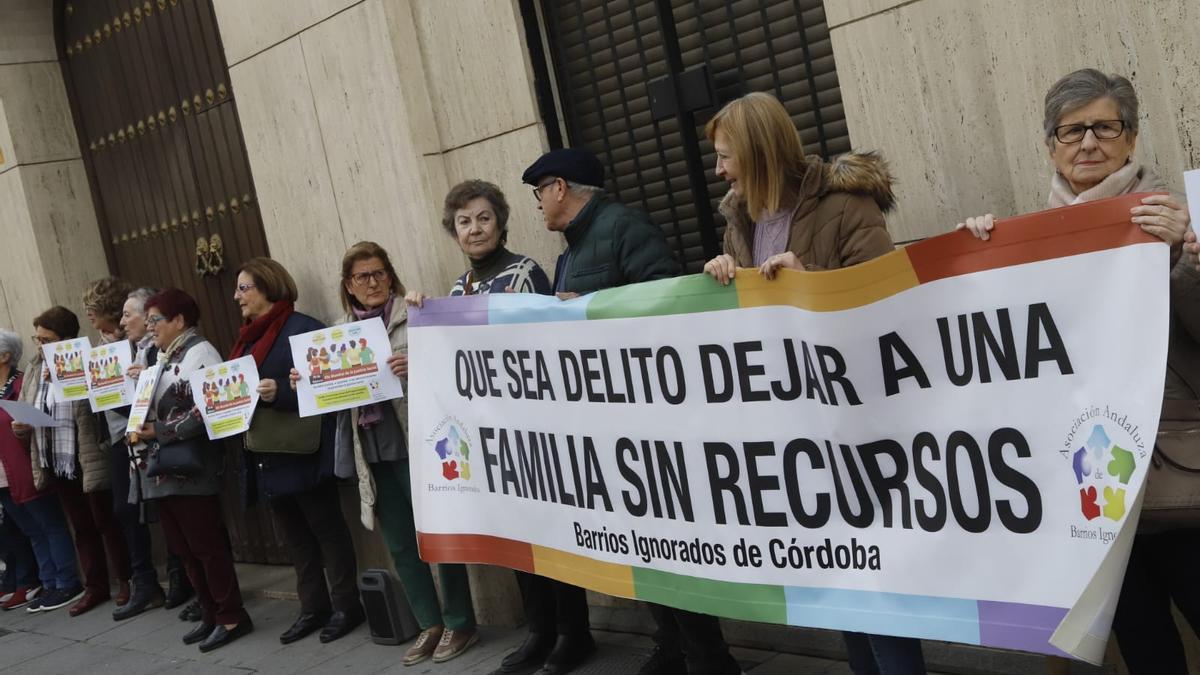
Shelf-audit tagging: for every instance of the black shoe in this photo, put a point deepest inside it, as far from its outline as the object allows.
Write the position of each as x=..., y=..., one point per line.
x=341, y=623
x=201, y=631
x=190, y=613
x=145, y=596
x=179, y=589
x=303, y=627
x=222, y=636
x=662, y=663
x=568, y=654
x=531, y=654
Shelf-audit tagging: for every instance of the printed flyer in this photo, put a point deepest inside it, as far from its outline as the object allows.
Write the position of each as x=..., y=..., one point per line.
x=143, y=394
x=343, y=367
x=108, y=387
x=226, y=395
x=66, y=362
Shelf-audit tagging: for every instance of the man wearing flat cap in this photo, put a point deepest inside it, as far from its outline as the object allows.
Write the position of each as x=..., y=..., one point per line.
x=608, y=244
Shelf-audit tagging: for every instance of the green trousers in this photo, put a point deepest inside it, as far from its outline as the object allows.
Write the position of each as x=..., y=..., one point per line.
x=394, y=506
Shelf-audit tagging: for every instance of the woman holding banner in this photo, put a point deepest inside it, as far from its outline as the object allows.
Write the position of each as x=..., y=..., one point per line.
x=289, y=460
x=371, y=445
x=36, y=512
x=475, y=213
x=1091, y=126
x=104, y=301
x=70, y=459
x=785, y=210
x=188, y=505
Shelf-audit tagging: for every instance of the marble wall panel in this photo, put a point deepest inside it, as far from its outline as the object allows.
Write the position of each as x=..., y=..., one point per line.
x=37, y=113
x=291, y=175
x=477, y=68
x=374, y=164
x=248, y=28
x=26, y=31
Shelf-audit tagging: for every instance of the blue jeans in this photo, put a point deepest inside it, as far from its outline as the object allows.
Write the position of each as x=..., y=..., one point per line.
x=20, y=570
x=884, y=654
x=42, y=520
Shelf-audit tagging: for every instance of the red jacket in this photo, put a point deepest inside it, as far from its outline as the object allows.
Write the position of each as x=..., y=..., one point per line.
x=15, y=457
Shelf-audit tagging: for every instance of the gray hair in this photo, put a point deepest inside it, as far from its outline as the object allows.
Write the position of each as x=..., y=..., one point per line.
x=1082, y=87
x=583, y=191
x=10, y=343
x=141, y=295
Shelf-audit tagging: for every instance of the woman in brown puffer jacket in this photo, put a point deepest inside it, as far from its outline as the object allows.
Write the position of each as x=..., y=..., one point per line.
x=807, y=214
x=786, y=210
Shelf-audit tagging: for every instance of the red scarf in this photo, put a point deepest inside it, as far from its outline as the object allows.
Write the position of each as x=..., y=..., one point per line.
x=262, y=332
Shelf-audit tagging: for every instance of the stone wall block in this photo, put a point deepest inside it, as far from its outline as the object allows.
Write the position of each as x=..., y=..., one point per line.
x=287, y=157
x=38, y=114
x=249, y=27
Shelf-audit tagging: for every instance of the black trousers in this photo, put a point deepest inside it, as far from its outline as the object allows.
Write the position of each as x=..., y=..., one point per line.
x=697, y=637
x=319, y=541
x=1162, y=568
x=137, y=533
x=552, y=607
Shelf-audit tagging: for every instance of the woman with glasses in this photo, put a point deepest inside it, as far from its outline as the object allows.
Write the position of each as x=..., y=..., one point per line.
x=1091, y=131
x=189, y=507
x=288, y=461
x=371, y=446
x=69, y=459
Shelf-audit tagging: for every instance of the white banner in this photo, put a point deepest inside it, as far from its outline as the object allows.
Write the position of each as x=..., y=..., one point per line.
x=941, y=443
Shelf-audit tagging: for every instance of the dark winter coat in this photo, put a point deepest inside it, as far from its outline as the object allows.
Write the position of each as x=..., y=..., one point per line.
x=608, y=245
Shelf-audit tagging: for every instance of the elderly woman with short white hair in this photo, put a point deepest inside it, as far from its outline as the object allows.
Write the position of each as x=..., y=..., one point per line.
x=1091, y=131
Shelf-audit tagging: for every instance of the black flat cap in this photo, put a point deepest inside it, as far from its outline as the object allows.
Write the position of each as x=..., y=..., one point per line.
x=570, y=164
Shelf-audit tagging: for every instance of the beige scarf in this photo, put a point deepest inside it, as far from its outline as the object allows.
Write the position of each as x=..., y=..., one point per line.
x=1133, y=177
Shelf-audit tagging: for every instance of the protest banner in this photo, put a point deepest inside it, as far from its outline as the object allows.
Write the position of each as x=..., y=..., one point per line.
x=66, y=361
x=944, y=442
x=226, y=395
x=142, y=397
x=108, y=387
x=343, y=367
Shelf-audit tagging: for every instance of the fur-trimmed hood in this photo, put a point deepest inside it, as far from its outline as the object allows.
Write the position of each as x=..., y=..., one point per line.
x=858, y=172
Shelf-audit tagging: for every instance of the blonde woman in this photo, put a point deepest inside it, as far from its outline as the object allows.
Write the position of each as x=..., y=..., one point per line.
x=785, y=210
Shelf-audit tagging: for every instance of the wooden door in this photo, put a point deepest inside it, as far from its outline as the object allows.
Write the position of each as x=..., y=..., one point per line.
x=159, y=132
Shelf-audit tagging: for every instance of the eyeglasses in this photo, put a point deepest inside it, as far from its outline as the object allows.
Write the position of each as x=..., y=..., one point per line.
x=242, y=288
x=363, y=278
x=537, y=191
x=1105, y=130
x=153, y=319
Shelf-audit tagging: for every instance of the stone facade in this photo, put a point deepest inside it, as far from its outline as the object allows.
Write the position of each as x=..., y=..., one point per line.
x=952, y=93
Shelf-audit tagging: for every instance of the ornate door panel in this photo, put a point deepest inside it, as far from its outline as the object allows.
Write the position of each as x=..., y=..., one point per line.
x=159, y=130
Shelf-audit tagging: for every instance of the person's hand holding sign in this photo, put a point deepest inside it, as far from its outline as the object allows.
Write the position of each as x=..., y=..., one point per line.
x=267, y=388
x=293, y=378
x=398, y=362
x=787, y=259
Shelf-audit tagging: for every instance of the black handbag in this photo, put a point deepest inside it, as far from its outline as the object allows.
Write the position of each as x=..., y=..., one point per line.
x=183, y=459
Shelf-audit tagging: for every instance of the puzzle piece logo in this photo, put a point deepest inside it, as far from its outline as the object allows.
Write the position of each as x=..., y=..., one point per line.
x=1101, y=468
x=1114, y=503
x=454, y=451
x=1121, y=465
x=1081, y=464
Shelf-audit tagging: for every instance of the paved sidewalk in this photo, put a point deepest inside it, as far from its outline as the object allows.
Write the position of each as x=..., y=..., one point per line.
x=93, y=644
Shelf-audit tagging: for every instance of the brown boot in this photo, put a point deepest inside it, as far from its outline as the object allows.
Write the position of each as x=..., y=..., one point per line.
x=424, y=646
x=454, y=642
